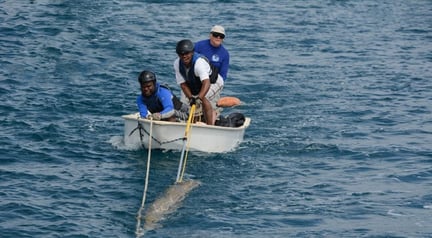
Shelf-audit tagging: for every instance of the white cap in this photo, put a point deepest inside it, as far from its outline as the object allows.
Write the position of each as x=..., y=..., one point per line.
x=218, y=29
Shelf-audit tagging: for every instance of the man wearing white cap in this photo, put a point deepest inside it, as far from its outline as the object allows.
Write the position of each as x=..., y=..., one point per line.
x=214, y=51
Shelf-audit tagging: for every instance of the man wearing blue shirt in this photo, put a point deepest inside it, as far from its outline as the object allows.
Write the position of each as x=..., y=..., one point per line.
x=157, y=102
x=214, y=51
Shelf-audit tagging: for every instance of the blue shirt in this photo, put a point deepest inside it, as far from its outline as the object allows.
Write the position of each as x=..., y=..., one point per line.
x=218, y=56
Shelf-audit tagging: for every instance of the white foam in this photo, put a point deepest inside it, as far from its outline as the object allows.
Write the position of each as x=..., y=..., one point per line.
x=118, y=143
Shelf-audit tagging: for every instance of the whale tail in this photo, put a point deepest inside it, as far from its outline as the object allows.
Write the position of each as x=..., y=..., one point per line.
x=167, y=203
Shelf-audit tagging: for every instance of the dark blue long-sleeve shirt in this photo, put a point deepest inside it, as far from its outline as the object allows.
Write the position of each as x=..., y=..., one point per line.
x=218, y=56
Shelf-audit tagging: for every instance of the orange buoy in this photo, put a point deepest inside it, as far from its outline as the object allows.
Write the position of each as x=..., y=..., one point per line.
x=228, y=102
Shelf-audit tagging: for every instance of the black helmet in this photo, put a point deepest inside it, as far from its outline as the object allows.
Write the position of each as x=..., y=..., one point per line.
x=146, y=76
x=184, y=46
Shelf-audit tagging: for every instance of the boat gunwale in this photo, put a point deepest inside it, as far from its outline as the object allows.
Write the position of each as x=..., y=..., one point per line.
x=134, y=117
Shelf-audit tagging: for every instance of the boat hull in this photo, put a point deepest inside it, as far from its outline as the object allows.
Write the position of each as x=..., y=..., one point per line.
x=170, y=135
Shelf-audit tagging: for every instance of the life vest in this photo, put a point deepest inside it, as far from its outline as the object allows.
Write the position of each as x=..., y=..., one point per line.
x=193, y=81
x=176, y=101
x=153, y=102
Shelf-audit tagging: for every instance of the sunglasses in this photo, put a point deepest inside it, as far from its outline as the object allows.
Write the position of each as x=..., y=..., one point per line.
x=216, y=35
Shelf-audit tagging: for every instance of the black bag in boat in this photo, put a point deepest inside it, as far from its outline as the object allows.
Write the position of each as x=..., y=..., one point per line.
x=234, y=119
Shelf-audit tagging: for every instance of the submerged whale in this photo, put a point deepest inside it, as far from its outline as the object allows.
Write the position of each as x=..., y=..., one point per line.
x=167, y=203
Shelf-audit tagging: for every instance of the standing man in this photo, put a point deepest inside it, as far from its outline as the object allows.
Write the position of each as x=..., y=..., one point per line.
x=215, y=52
x=199, y=81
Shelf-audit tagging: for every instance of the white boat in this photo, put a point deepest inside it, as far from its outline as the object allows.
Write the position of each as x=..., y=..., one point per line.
x=170, y=135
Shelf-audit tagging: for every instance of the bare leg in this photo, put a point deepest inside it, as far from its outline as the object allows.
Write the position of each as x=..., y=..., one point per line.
x=208, y=111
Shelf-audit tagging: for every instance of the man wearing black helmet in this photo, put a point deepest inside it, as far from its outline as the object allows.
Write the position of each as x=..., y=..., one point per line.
x=198, y=79
x=156, y=101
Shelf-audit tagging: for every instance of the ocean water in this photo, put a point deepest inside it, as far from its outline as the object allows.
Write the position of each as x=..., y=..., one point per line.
x=339, y=92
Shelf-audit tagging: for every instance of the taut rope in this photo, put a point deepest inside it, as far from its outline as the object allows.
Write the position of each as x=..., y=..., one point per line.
x=182, y=164
x=140, y=230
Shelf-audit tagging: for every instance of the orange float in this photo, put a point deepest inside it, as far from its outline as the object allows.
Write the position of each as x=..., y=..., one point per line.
x=228, y=102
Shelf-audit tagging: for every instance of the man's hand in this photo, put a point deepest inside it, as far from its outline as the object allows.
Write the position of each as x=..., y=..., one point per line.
x=193, y=100
x=157, y=116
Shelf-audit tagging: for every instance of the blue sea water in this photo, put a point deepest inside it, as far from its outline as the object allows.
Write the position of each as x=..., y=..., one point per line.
x=339, y=92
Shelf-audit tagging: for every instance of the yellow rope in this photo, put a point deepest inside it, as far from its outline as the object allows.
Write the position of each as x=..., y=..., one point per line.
x=187, y=135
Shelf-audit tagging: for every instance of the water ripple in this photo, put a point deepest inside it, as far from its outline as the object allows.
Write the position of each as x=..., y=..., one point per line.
x=338, y=93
